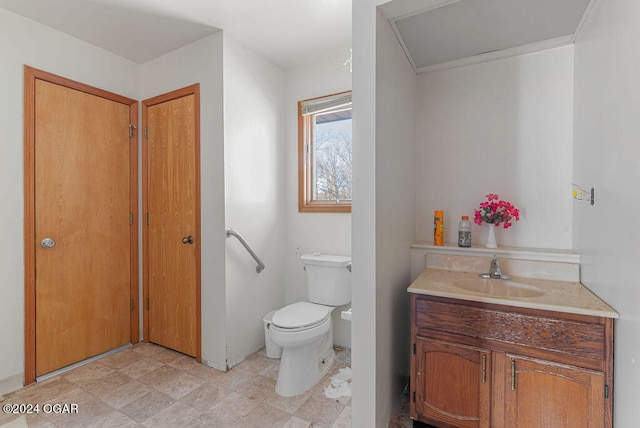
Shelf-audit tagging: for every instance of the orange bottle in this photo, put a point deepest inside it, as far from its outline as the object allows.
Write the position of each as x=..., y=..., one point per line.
x=438, y=227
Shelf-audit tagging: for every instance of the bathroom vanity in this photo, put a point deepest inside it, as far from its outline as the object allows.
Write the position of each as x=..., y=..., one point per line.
x=527, y=352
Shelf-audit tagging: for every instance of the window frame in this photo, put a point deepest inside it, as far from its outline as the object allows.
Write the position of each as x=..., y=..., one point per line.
x=306, y=203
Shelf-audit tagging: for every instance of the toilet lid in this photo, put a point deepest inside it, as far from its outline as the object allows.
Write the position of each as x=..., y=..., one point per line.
x=301, y=314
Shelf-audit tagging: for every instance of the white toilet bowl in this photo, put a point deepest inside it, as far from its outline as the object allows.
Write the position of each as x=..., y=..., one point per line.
x=304, y=331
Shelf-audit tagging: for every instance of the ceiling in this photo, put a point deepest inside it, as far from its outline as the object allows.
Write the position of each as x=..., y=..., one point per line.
x=437, y=34
x=434, y=34
x=290, y=33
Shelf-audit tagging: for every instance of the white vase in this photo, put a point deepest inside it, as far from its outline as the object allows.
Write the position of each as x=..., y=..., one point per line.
x=491, y=238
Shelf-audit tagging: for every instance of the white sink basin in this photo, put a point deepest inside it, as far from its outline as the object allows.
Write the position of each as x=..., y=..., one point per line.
x=499, y=287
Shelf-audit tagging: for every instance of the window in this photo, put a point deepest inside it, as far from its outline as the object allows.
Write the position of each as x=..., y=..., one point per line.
x=324, y=154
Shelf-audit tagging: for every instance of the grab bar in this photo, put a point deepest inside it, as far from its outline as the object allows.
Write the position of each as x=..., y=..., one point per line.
x=231, y=232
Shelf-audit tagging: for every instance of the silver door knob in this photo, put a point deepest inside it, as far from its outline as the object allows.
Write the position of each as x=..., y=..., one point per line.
x=187, y=240
x=48, y=243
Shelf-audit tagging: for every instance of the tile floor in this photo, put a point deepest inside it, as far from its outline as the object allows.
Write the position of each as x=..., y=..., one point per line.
x=150, y=386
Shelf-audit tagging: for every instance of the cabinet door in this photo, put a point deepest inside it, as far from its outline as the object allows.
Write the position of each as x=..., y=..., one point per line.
x=452, y=384
x=543, y=394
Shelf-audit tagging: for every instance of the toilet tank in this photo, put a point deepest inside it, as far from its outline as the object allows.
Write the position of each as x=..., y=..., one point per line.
x=328, y=278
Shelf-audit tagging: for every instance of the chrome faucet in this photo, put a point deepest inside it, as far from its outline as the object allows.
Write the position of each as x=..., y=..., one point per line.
x=494, y=270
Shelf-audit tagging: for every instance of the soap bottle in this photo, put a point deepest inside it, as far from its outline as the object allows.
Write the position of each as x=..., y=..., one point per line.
x=464, y=232
x=438, y=227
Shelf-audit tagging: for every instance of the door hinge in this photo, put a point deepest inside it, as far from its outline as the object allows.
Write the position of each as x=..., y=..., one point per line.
x=130, y=218
x=146, y=218
x=606, y=391
x=146, y=132
x=131, y=128
x=146, y=304
x=130, y=305
x=414, y=349
x=414, y=396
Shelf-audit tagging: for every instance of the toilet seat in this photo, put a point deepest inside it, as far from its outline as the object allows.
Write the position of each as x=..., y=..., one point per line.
x=301, y=316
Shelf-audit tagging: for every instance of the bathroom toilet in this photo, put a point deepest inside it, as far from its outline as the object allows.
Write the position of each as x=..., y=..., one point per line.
x=304, y=330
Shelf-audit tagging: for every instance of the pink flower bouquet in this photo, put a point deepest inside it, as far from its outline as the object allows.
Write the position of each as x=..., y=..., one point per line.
x=496, y=212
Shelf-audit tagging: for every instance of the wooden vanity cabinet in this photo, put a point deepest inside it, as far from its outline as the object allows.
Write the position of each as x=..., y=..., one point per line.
x=451, y=383
x=486, y=365
x=553, y=395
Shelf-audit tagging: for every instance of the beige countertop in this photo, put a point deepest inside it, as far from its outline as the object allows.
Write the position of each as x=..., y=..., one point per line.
x=570, y=297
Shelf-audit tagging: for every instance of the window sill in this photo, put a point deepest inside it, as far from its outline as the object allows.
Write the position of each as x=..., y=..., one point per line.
x=336, y=208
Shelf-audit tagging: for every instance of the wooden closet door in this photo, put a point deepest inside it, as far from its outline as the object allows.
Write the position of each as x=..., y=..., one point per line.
x=82, y=225
x=172, y=206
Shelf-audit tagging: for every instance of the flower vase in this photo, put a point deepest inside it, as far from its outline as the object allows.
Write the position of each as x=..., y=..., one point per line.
x=491, y=238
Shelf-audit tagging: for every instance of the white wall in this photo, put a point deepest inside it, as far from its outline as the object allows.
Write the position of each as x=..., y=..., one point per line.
x=23, y=41
x=395, y=214
x=363, y=218
x=500, y=127
x=328, y=233
x=201, y=62
x=254, y=163
x=606, y=155
x=383, y=213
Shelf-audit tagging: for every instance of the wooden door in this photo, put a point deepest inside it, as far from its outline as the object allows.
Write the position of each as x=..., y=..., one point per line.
x=81, y=222
x=453, y=384
x=539, y=393
x=172, y=220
